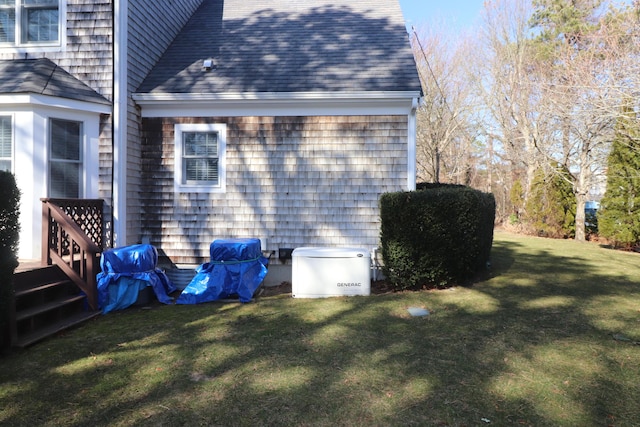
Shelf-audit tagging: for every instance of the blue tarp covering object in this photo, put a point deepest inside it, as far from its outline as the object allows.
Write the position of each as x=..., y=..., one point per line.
x=237, y=267
x=126, y=271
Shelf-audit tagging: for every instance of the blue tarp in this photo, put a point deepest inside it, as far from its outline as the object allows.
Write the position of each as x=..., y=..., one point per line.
x=237, y=267
x=126, y=271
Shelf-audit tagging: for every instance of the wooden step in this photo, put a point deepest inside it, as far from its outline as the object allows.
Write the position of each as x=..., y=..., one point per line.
x=40, y=287
x=46, y=302
x=32, y=278
x=25, y=340
x=49, y=306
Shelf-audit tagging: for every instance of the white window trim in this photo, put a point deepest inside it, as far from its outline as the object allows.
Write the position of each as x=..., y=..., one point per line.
x=56, y=46
x=221, y=129
x=30, y=122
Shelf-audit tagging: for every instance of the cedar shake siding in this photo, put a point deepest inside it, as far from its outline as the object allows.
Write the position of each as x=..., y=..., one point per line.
x=296, y=181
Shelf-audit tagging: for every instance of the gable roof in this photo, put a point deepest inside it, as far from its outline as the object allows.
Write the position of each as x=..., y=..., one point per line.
x=289, y=46
x=42, y=76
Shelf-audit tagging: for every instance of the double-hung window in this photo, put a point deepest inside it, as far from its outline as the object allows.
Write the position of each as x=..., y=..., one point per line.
x=200, y=157
x=6, y=143
x=65, y=162
x=25, y=23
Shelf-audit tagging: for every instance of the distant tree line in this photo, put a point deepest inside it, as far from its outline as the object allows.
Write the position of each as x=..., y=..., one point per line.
x=539, y=104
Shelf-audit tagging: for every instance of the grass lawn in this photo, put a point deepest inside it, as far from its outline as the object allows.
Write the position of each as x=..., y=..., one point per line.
x=551, y=338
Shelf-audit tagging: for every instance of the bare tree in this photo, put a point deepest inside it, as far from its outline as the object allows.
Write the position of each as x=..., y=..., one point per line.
x=445, y=134
x=541, y=85
x=552, y=94
x=508, y=84
x=584, y=85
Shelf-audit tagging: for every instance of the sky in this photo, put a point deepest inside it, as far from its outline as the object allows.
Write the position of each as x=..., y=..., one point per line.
x=455, y=14
x=460, y=14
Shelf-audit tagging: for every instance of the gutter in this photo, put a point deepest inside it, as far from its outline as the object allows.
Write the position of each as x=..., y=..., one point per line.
x=150, y=98
x=275, y=103
x=119, y=121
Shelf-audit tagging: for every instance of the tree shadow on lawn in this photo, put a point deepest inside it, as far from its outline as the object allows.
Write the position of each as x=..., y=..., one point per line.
x=516, y=349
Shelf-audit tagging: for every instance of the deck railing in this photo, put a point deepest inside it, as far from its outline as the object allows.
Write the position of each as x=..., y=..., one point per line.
x=72, y=239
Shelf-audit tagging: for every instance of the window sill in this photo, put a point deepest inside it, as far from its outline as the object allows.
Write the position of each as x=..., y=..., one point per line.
x=183, y=188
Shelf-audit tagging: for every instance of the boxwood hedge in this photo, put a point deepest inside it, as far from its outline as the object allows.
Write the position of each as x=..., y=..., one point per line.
x=437, y=236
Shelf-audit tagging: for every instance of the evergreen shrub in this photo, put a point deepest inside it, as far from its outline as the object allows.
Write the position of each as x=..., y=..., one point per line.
x=437, y=236
x=551, y=207
x=9, y=238
x=619, y=213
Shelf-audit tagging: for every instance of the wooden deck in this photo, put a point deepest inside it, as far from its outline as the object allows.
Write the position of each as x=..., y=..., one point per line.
x=28, y=264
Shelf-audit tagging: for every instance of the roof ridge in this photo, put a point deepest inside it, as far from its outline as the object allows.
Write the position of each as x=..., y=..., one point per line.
x=50, y=78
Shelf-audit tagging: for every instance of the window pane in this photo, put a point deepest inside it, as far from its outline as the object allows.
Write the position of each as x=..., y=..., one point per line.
x=41, y=25
x=40, y=3
x=65, y=140
x=203, y=144
x=5, y=138
x=65, y=165
x=201, y=170
x=6, y=145
x=65, y=180
x=7, y=25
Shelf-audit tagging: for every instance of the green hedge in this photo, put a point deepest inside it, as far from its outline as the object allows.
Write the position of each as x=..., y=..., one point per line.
x=9, y=238
x=436, y=237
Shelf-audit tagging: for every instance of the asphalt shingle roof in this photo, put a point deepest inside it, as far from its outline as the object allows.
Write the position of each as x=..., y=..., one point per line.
x=289, y=46
x=42, y=76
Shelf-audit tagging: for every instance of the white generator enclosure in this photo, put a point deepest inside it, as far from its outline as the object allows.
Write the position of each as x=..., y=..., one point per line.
x=327, y=272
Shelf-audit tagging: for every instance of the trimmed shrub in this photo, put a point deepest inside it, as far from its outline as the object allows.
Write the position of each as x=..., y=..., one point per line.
x=436, y=237
x=9, y=238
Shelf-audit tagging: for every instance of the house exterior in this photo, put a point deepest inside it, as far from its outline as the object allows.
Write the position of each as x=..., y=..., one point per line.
x=67, y=68
x=202, y=119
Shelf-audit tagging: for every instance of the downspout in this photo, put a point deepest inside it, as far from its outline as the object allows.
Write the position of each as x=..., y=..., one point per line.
x=119, y=122
x=113, y=113
x=411, y=146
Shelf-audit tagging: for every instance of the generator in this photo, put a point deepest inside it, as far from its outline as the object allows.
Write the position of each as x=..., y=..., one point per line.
x=319, y=272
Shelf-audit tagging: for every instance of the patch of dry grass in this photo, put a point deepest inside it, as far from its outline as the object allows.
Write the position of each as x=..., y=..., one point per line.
x=549, y=339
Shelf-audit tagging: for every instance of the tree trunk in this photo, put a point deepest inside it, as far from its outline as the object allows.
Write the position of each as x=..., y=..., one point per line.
x=581, y=202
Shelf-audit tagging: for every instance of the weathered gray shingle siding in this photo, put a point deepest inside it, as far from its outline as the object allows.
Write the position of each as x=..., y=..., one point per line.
x=88, y=54
x=152, y=26
x=296, y=181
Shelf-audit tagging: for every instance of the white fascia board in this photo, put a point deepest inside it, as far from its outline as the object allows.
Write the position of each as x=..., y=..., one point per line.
x=53, y=102
x=275, y=104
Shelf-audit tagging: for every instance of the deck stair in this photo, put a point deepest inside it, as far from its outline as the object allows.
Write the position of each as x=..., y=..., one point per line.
x=46, y=303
